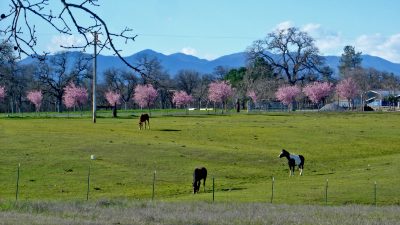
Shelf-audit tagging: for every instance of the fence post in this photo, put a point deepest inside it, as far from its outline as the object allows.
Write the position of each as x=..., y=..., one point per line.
x=154, y=184
x=326, y=192
x=17, y=190
x=375, y=189
x=88, y=185
x=272, y=193
x=213, y=189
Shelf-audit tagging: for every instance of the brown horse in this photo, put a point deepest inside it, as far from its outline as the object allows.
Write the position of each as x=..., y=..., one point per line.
x=144, y=118
x=198, y=175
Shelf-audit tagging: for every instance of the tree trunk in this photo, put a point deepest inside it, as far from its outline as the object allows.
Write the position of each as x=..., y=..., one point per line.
x=59, y=104
x=12, y=106
x=293, y=106
x=115, y=110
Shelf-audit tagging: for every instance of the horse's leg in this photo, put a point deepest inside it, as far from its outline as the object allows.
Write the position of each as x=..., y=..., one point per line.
x=195, y=186
x=204, y=184
x=198, y=185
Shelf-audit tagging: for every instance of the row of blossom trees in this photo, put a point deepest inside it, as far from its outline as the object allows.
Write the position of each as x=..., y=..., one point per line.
x=73, y=96
x=318, y=91
x=218, y=92
x=144, y=96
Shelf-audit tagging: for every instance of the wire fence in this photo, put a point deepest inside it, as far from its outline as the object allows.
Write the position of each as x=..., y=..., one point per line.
x=219, y=189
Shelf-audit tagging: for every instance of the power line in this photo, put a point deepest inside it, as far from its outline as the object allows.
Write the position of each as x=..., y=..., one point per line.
x=170, y=36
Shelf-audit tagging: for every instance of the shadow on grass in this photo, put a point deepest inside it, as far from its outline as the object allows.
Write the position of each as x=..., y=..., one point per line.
x=233, y=189
x=169, y=130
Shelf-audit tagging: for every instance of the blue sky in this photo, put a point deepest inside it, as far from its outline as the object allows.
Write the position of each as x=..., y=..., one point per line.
x=212, y=28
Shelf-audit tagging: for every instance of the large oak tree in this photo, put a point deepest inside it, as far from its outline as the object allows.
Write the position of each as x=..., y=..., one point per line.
x=290, y=52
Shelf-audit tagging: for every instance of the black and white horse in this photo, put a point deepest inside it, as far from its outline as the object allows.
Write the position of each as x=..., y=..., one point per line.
x=198, y=175
x=293, y=161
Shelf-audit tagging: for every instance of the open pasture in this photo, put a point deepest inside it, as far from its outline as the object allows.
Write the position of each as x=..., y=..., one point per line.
x=352, y=150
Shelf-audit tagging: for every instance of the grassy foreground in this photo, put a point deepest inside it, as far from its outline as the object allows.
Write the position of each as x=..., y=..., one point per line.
x=352, y=150
x=128, y=212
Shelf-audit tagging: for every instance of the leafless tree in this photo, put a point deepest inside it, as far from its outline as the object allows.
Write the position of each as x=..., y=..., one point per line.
x=200, y=93
x=57, y=72
x=187, y=80
x=122, y=81
x=290, y=52
x=390, y=82
x=153, y=71
x=15, y=78
x=261, y=78
x=62, y=18
x=220, y=72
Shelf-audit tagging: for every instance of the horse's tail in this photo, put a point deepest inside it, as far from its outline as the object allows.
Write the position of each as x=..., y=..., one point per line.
x=302, y=161
x=194, y=176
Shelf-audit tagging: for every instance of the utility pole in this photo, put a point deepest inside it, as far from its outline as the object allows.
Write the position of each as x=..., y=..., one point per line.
x=94, y=77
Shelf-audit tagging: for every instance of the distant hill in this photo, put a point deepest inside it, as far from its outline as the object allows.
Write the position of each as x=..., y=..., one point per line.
x=368, y=61
x=179, y=61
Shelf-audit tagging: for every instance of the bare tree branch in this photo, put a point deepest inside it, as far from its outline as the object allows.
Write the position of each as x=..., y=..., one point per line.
x=290, y=52
x=23, y=34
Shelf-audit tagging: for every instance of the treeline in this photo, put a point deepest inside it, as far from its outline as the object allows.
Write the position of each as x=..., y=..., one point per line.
x=294, y=61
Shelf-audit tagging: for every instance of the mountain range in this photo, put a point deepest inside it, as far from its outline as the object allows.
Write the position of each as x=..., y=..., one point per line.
x=175, y=62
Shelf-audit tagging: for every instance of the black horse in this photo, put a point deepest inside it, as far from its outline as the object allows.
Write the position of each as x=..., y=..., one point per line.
x=198, y=175
x=293, y=160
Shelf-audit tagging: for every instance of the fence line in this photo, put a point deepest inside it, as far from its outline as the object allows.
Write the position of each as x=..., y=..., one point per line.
x=273, y=188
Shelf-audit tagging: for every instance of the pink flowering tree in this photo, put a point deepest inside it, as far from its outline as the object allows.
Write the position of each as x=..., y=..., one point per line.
x=2, y=93
x=36, y=98
x=253, y=96
x=347, y=89
x=181, y=98
x=145, y=95
x=287, y=95
x=114, y=99
x=74, y=96
x=220, y=92
x=318, y=91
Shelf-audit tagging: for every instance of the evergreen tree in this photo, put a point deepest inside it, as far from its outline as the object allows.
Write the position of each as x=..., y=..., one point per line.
x=349, y=60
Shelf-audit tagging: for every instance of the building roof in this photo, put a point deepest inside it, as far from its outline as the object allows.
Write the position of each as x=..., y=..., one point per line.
x=382, y=93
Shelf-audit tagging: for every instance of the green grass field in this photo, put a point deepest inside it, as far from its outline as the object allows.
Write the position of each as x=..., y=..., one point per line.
x=352, y=150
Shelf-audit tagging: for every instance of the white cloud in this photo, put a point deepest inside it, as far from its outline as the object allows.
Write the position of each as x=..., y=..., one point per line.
x=311, y=27
x=194, y=52
x=210, y=57
x=387, y=47
x=332, y=42
x=330, y=45
x=328, y=42
x=64, y=40
x=284, y=25
x=189, y=51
